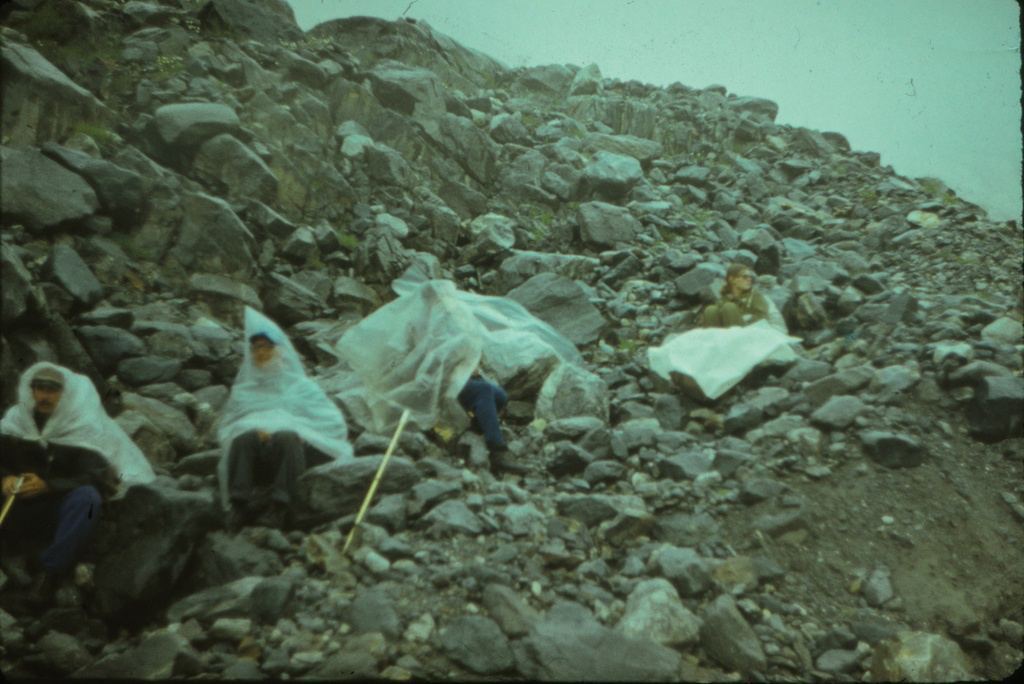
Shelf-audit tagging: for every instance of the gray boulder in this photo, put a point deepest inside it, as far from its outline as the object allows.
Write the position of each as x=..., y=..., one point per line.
x=641, y=149
x=572, y=391
x=728, y=638
x=562, y=303
x=470, y=147
x=143, y=544
x=226, y=164
x=892, y=450
x=685, y=569
x=121, y=192
x=612, y=175
x=453, y=517
x=587, y=81
x=179, y=129
x=212, y=238
x=337, y=489
x=512, y=614
x=603, y=225
x=413, y=91
x=39, y=101
x=15, y=286
x=548, y=79
x=518, y=268
x=160, y=655
x=996, y=410
x=477, y=643
x=655, y=611
x=27, y=197
x=74, y=275
x=570, y=645
x=107, y=345
x=838, y=412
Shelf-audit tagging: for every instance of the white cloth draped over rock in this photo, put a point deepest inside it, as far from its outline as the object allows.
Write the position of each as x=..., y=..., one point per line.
x=277, y=397
x=716, y=359
x=418, y=351
x=79, y=420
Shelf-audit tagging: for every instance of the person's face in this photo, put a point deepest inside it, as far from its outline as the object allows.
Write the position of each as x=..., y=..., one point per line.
x=46, y=398
x=742, y=282
x=262, y=352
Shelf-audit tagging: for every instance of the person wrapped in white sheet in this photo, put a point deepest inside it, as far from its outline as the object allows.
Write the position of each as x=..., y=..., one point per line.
x=61, y=457
x=276, y=423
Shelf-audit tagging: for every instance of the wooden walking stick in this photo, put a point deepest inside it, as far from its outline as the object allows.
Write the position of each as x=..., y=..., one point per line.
x=376, y=480
x=10, y=499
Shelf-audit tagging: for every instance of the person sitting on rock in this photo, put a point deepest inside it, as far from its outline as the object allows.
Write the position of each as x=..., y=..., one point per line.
x=276, y=423
x=61, y=456
x=484, y=401
x=739, y=303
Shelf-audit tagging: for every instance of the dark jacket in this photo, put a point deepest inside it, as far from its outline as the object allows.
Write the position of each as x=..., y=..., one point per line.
x=63, y=468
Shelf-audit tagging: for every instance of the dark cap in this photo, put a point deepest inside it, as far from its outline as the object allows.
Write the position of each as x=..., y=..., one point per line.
x=48, y=378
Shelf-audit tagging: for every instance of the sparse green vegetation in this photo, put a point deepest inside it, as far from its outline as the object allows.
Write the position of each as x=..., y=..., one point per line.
x=348, y=240
x=100, y=134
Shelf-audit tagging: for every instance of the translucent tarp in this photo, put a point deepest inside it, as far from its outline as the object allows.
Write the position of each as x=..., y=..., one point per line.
x=716, y=359
x=418, y=351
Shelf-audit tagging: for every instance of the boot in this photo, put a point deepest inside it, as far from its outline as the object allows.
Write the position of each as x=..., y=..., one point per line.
x=500, y=462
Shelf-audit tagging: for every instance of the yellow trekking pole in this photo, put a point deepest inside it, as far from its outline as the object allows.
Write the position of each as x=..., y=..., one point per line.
x=10, y=499
x=376, y=481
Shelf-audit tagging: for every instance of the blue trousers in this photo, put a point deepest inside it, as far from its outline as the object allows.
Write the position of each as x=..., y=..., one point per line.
x=485, y=400
x=70, y=518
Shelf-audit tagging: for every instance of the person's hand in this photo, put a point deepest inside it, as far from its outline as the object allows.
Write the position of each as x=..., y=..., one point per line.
x=263, y=435
x=32, y=485
x=8, y=484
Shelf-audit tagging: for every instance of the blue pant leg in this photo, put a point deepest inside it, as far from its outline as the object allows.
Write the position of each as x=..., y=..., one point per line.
x=76, y=518
x=482, y=398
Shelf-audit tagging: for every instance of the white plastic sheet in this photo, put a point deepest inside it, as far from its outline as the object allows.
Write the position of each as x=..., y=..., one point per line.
x=279, y=396
x=716, y=359
x=78, y=420
x=418, y=351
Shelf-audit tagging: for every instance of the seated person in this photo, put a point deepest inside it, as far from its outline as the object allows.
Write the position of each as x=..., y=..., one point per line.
x=740, y=303
x=61, y=457
x=276, y=423
x=484, y=400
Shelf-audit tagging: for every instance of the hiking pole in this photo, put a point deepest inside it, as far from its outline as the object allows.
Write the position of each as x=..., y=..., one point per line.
x=10, y=499
x=376, y=481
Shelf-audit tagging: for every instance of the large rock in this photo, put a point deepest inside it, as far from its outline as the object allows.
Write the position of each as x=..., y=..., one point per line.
x=892, y=450
x=39, y=101
x=107, y=345
x=603, y=225
x=728, y=638
x=413, y=91
x=225, y=163
x=572, y=391
x=477, y=643
x=470, y=147
x=612, y=175
x=121, y=192
x=838, y=412
x=548, y=79
x=336, y=489
x=919, y=657
x=641, y=149
x=493, y=235
x=213, y=239
x=179, y=129
x=265, y=21
x=74, y=275
x=562, y=303
x=27, y=182
x=996, y=410
x=160, y=655
x=509, y=610
x=685, y=569
x=143, y=544
x=570, y=645
x=289, y=301
x=1003, y=330
x=15, y=287
x=655, y=611
x=587, y=81
x=518, y=268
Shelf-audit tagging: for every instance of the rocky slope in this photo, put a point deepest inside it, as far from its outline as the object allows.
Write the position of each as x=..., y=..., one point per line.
x=853, y=515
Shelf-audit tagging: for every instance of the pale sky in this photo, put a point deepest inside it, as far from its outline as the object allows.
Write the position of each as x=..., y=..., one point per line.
x=932, y=85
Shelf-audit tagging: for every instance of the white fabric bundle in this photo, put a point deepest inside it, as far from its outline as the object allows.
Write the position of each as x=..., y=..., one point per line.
x=79, y=420
x=279, y=396
x=718, y=358
x=418, y=351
